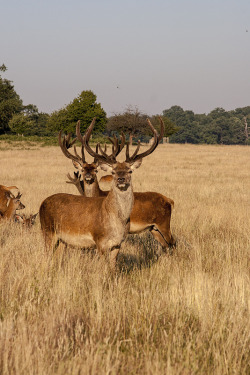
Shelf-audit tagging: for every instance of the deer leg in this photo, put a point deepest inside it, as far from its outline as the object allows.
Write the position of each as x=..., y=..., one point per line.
x=50, y=241
x=164, y=237
x=113, y=258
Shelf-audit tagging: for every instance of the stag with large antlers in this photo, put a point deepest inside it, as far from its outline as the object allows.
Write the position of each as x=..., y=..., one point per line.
x=100, y=222
x=151, y=210
x=88, y=186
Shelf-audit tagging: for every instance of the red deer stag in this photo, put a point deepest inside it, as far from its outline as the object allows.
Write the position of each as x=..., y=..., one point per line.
x=89, y=185
x=100, y=222
x=151, y=210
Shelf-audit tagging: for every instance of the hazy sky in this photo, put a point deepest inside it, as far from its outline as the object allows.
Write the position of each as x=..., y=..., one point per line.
x=151, y=54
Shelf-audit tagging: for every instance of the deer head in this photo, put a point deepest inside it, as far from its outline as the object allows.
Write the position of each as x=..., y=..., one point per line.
x=121, y=171
x=87, y=170
x=15, y=201
x=27, y=222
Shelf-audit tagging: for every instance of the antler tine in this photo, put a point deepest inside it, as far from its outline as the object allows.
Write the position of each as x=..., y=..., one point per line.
x=83, y=154
x=155, y=143
x=123, y=141
x=67, y=140
x=78, y=156
x=64, y=149
x=130, y=158
x=110, y=158
x=117, y=147
x=85, y=142
x=78, y=132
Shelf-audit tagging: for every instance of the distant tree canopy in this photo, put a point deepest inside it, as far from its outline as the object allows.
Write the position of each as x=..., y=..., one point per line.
x=217, y=127
x=10, y=102
x=83, y=108
x=134, y=122
x=182, y=126
x=29, y=122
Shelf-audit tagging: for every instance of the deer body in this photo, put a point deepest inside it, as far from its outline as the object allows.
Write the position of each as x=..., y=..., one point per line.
x=151, y=210
x=83, y=229
x=102, y=222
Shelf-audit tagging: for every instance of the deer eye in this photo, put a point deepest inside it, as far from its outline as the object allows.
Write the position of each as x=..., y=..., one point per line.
x=129, y=171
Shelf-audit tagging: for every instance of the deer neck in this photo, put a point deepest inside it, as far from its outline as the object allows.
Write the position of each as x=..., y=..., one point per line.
x=10, y=211
x=92, y=190
x=120, y=203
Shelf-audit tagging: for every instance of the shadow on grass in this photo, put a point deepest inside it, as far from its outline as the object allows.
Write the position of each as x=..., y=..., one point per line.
x=146, y=251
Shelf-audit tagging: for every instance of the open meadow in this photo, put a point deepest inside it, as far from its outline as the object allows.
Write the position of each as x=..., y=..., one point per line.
x=186, y=313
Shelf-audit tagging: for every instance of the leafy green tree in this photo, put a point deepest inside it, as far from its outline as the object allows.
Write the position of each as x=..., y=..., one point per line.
x=132, y=122
x=30, y=122
x=22, y=124
x=83, y=108
x=225, y=130
x=188, y=127
x=10, y=102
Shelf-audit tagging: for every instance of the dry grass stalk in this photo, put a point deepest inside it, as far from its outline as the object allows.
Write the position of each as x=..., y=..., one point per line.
x=181, y=314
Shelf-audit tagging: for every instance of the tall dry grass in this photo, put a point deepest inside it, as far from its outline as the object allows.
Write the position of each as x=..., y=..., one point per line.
x=181, y=314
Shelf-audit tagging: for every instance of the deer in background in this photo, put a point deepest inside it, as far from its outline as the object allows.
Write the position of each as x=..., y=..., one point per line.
x=13, y=204
x=25, y=221
x=151, y=210
x=101, y=222
x=4, y=198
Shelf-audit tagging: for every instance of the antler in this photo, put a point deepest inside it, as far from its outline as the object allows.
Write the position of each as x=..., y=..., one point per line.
x=116, y=146
x=65, y=144
x=157, y=139
x=18, y=195
x=76, y=180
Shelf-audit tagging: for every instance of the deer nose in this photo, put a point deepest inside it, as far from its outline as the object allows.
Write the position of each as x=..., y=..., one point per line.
x=121, y=180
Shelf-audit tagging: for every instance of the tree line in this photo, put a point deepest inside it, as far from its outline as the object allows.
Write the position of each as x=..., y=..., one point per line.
x=181, y=126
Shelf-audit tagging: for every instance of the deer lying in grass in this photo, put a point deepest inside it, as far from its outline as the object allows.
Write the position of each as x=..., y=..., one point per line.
x=13, y=204
x=101, y=222
x=151, y=210
x=27, y=222
x=4, y=198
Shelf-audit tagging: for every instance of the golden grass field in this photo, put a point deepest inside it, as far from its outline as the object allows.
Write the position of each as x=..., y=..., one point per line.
x=182, y=314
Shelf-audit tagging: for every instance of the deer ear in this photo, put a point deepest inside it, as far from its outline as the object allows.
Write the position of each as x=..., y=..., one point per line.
x=77, y=165
x=106, y=167
x=136, y=164
x=18, y=218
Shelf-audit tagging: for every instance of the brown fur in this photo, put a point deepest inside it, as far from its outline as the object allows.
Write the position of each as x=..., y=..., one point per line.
x=151, y=211
x=13, y=204
x=27, y=222
x=4, y=197
x=100, y=222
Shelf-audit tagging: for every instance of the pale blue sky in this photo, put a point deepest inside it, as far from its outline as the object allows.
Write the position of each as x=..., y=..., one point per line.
x=192, y=53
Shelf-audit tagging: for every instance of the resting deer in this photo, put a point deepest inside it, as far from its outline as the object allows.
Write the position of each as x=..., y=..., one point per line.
x=13, y=204
x=27, y=222
x=5, y=198
x=100, y=222
x=151, y=210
